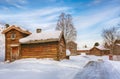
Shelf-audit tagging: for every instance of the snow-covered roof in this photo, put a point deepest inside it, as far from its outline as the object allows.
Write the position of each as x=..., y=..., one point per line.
x=68, y=52
x=118, y=44
x=102, y=48
x=83, y=48
x=17, y=28
x=45, y=36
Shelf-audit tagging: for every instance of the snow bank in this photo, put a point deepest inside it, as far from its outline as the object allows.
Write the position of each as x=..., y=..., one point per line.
x=42, y=68
x=83, y=53
x=32, y=68
x=102, y=48
x=68, y=52
x=2, y=44
x=115, y=64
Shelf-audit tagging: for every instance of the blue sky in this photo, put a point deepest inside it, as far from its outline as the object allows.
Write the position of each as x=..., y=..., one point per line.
x=90, y=17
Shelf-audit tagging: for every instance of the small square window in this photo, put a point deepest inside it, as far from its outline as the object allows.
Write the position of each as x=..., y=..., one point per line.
x=13, y=35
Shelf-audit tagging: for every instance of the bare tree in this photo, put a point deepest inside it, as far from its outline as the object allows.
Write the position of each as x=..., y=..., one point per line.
x=65, y=24
x=110, y=36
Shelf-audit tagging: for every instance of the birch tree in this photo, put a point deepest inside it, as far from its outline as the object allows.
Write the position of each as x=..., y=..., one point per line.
x=65, y=24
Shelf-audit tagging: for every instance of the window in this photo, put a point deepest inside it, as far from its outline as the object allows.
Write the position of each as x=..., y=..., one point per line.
x=13, y=35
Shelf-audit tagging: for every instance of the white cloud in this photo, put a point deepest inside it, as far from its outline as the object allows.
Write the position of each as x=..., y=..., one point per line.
x=44, y=18
x=5, y=9
x=98, y=20
x=18, y=6
x=37, y=13
x=97, y=1
x=17, y=3
x=89, y=42
x=51, y=0
x=89, y=38
x=89, y=20
x=94, y=2
x=112, y=22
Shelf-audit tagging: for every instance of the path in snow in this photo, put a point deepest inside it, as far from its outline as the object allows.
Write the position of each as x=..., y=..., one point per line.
x=98, y=70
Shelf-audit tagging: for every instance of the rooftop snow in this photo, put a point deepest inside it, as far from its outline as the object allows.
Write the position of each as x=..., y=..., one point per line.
x=102, y=48
x=118, y=44
x=83, y=48
x=41, y=37
x=17, y=28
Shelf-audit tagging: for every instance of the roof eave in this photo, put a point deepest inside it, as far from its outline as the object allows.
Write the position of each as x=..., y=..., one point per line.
x=40, y=41
x=13, y=27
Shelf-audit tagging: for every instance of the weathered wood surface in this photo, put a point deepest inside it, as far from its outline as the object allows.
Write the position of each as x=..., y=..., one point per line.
x=40, y=50
x=95, y=51
x=72, y=46
x=62, y=48
x=98, y=52
x=9, y=41
x=54, y=49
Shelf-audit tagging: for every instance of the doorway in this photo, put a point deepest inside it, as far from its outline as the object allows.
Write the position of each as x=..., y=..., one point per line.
x=14, y=53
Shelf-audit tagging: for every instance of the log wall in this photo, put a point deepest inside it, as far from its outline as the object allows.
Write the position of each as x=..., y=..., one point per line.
x=9, y=41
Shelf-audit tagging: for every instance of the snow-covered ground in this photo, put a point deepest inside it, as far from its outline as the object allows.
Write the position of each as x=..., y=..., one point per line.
x=116, y=65
x=98, y=70
x=44, y=68
x=2, y=44
x=47, y=68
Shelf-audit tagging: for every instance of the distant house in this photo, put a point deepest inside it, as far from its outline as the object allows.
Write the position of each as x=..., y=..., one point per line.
x=23, y=44
x=72, y=46
x=83, y=50
x=116, y=50
x=99, y=51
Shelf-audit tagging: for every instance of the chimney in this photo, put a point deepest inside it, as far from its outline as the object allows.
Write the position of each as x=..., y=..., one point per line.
x=38, y=30
x=7, y=25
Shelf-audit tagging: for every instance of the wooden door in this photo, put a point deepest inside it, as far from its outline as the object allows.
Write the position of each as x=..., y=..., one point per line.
x=14, y=53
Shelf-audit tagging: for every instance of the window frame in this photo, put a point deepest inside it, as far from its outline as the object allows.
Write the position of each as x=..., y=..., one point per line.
x=13, y=36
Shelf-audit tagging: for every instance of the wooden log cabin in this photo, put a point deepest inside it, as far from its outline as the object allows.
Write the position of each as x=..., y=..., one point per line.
x=23, y=44
x=116, y=50
x=72, y=46
x=99, y=51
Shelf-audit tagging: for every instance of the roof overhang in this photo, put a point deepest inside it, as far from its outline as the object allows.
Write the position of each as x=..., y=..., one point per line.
x=40, y=41
x=16, y=28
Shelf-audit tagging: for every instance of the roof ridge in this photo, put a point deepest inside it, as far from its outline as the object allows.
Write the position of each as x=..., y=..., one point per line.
x=17, y=28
